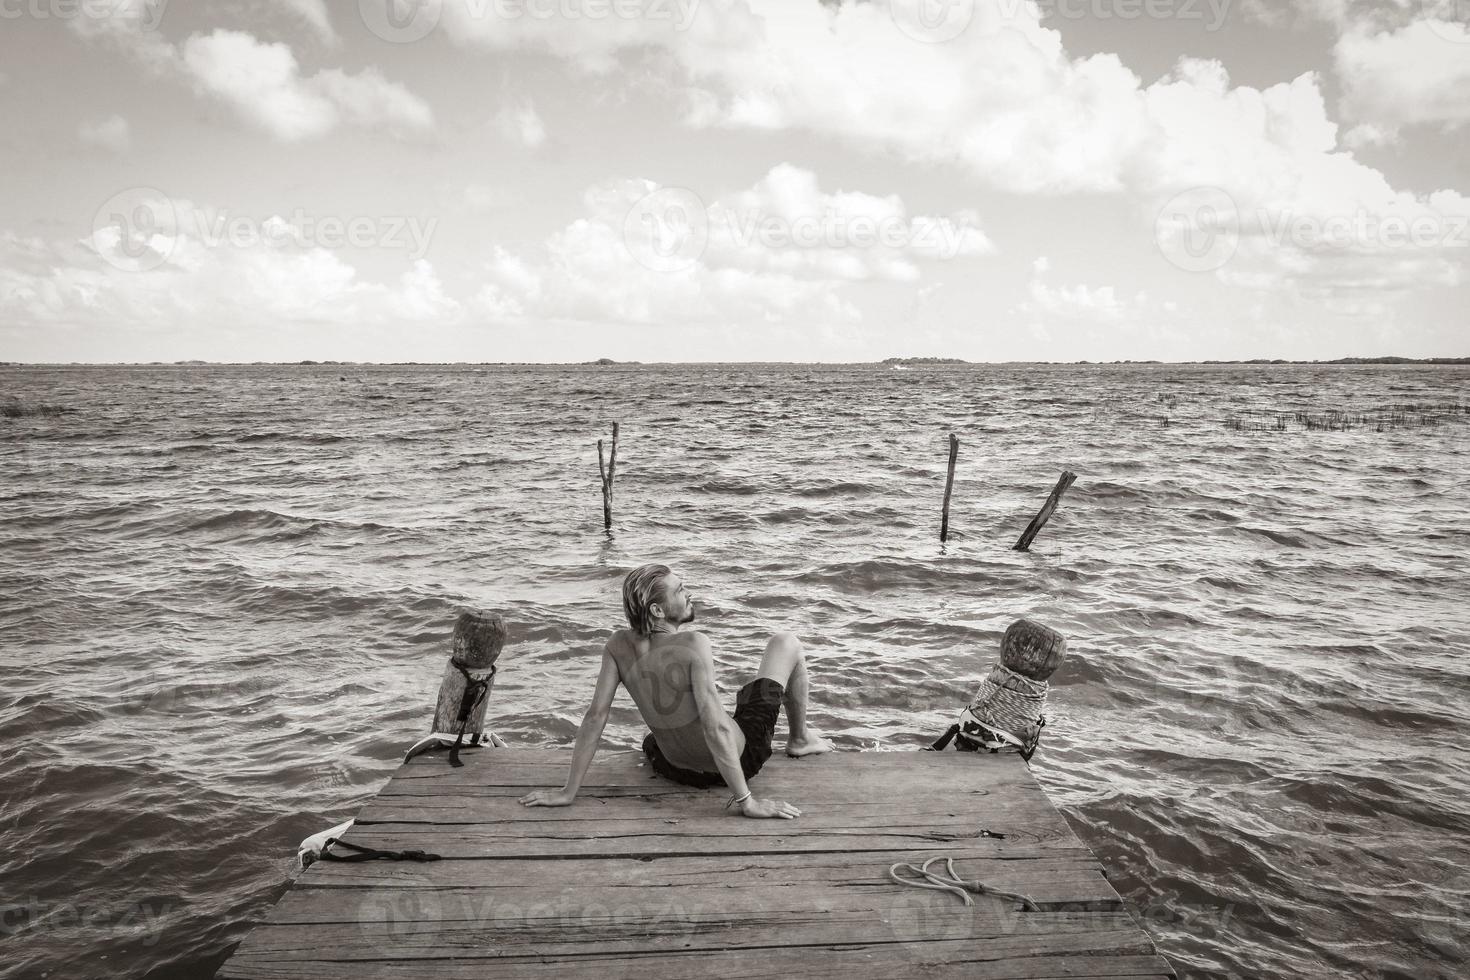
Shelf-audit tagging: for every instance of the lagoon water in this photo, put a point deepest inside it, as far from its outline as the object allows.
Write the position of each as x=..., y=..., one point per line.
x=226, y=594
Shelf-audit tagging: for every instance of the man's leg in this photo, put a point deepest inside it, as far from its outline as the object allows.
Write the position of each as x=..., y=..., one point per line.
x=785, y=663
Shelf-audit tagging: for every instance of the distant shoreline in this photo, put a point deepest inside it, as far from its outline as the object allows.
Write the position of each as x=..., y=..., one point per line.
x=892, y=362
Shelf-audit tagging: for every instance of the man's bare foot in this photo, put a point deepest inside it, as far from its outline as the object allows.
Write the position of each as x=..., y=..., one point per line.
x=813, y=744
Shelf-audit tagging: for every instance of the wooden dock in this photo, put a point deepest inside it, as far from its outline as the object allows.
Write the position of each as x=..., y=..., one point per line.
x=643, y=879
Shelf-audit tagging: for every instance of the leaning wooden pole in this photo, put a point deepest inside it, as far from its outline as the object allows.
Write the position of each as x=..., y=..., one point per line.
x=954, y=452
x=469, y=676
x=1039, y=521
x=608, y=469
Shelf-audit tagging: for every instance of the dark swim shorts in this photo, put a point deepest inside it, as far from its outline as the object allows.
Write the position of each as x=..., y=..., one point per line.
x=757, y=707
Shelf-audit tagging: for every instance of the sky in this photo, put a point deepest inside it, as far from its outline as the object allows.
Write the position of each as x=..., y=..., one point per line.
x=728, y=180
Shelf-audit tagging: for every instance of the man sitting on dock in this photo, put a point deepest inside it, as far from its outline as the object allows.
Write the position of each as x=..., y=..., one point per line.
x=670, y=673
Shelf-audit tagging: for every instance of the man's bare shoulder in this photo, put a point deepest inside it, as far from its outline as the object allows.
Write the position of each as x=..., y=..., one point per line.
x=682, y=644
x=692, y=640
x=623, y=638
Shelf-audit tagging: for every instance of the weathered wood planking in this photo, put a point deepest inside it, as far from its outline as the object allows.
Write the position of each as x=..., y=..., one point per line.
x=642, y=879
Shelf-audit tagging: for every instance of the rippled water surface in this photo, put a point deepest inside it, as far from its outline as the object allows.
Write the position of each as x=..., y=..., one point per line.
x=225, y=597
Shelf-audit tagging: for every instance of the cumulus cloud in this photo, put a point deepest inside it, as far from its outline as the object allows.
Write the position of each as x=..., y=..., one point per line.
x=1101, y=304
x=1004, y=102
x=171, y=273
x=782, y=250
x=1416, y=75
x=112, y=133
x=262, y=82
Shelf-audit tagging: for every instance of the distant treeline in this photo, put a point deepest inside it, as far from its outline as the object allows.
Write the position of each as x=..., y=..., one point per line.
x=605, y=361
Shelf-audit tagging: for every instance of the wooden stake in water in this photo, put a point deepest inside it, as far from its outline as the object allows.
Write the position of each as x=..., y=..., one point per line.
x=954, y=452
x=608, y=470
x=1039, y=521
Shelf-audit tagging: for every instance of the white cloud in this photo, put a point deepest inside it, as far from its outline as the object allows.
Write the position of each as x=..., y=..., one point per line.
x=590, y=42
x=787, y=224
x=1416, y=75
x=111, y=133
x=184, y=280
x=522, y=125
x=1367, y=135
x=1101, y=304
x=313, y=13
x=781, y=251
x=263, y=83
x=1004, y=102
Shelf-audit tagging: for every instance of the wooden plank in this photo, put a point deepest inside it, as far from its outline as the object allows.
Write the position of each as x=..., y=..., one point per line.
x=790, y=888
x=640, y=927
x=473, y=843
x=622, y=871
x=940, y=959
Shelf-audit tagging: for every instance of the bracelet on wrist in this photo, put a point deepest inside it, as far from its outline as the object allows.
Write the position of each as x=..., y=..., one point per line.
x=738, y=799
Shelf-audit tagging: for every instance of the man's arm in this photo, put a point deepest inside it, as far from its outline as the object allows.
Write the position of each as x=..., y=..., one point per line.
x=589, y=734
x=720, y=734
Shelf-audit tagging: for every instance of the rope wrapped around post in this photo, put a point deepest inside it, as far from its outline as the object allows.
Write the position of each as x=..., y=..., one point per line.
x=475, y=691
x=1008, y=710
x=459, y=712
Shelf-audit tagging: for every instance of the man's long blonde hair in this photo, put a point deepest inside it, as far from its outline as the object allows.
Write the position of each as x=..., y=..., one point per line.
x=641, y=589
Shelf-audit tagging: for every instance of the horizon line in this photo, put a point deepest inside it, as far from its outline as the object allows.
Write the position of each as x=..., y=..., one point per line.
x=905, y=361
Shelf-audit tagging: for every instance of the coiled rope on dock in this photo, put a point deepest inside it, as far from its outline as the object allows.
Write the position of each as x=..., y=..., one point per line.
x=954, y=884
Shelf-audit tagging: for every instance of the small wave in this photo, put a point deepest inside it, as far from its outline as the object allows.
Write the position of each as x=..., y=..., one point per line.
x=832, y=488
x=737, y=488
x=1279, y=537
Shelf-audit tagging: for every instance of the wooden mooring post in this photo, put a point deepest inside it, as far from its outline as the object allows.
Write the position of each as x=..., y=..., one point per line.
x=1039, y=521
x=464, y=693
x=607, y=469
x=954, y=452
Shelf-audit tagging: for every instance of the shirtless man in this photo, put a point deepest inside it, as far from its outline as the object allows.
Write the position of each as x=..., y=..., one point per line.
x=671, y=676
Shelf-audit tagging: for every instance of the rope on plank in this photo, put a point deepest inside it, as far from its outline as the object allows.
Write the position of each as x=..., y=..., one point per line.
x=954, y=884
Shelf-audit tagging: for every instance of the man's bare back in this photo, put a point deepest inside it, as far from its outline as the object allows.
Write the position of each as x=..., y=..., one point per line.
x=656, y=671
x=670, y=674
